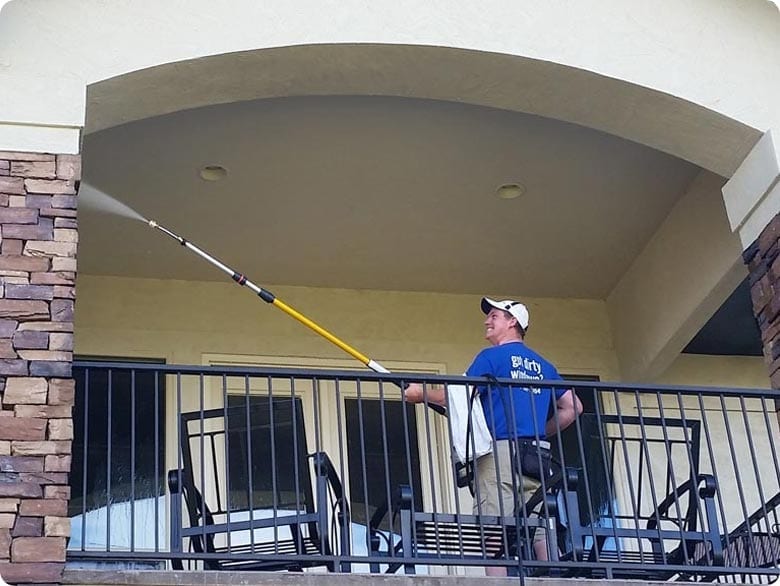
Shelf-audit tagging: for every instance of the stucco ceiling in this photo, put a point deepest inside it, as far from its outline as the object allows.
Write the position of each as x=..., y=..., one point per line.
x=378, y=193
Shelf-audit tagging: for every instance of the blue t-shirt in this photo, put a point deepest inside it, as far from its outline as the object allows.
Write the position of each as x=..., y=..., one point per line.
x=526, y=406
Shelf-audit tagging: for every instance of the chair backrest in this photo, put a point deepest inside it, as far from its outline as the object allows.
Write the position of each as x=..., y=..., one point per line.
x=250, y=455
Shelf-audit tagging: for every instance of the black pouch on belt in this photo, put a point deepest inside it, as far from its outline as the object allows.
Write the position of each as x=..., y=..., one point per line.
x=535, y=459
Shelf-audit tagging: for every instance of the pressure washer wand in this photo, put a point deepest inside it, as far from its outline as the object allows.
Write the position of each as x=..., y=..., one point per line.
x=269, y=297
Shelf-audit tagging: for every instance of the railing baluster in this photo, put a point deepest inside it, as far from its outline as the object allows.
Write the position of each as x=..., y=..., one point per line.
x=158, y=522
x=363, y=459
x=385, y=452
x=734, y=458
x=274, y=463
x=518, y=480
x=691, y=440
x=409, y=474
x=296, y=451
x=179, y=546
x=713, y=460
x=202, y=444
x=756, y=472
x=608, y=466
x=671, y=476
x=109, y=463
x=132, y=460
x=228, y=487
x=629, y=475
x=85, y=463
x=342, y=471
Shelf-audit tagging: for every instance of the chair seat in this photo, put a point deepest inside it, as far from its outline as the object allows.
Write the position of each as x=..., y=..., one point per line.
x=749, y=550
x=634, y=565
x=459, y=540
x=284, y=547
x=636, y=557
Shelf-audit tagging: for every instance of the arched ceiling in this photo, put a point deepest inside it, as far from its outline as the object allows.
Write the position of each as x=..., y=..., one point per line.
x=379, y=193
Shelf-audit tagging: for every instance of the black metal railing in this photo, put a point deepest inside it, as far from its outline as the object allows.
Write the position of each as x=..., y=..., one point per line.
x=267, y=468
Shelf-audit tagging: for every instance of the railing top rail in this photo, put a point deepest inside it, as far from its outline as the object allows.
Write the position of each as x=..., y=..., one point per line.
x=406, y=377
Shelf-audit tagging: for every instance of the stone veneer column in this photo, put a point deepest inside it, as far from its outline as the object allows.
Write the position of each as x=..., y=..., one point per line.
x=38, y=239
x=763, y=260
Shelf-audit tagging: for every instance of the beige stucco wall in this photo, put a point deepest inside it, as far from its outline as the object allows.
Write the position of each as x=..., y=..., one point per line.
x=717, y=371
x=686, y=271
x=180, y=321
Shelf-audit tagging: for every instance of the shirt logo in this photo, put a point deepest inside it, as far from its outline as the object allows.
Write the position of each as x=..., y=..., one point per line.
x=524, y=368
x=531, y=367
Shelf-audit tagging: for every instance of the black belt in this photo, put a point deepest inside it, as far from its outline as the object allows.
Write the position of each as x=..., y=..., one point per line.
x=544, y=444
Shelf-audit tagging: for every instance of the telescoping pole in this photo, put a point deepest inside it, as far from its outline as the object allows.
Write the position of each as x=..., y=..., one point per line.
x=269, y=297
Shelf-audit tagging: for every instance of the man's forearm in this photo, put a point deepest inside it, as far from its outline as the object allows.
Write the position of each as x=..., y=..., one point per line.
x=567, y=409
x=416, y=393
x=559, y=422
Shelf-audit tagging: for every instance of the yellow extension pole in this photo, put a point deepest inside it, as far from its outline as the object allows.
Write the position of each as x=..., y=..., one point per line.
x=321, y=331
x=269, y=297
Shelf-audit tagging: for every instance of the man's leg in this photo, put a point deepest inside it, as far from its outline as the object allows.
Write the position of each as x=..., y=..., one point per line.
x=496, y=489
x=529, y=486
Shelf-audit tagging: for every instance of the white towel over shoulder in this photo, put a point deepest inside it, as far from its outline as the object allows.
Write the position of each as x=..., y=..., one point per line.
x=458, y=397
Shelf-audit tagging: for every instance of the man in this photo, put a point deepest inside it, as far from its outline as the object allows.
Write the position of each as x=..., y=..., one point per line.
x=515, y=415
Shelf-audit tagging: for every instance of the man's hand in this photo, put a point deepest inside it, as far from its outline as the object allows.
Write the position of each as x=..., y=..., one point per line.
x=414, y=393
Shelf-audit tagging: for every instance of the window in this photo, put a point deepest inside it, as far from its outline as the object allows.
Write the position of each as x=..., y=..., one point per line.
x=597, y=478
x=118, y=456
x=379, y=455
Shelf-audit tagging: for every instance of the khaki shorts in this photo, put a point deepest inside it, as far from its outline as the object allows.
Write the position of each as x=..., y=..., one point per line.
x=495, y=490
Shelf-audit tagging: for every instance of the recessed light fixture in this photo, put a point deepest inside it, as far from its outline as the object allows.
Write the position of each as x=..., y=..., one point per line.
x=510, y=191
x=212, y=172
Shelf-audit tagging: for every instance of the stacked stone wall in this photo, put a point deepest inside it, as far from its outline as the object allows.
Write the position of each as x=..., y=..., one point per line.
x=38, y=238
x=763, y=260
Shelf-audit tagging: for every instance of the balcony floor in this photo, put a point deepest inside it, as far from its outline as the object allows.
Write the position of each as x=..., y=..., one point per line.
x=75, y=577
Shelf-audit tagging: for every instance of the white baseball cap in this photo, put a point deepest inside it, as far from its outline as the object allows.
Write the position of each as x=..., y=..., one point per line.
x=517, y=309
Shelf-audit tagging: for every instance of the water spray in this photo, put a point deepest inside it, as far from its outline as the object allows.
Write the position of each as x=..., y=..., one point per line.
x=269, y=297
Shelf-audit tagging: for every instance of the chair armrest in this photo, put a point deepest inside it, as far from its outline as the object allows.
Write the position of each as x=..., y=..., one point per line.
x=173, y=480
x=702, y=488
x=323, y=466
x=402, y=499
x=327, y=481
x=576, y=533
x=175, y=529
x=709, y=487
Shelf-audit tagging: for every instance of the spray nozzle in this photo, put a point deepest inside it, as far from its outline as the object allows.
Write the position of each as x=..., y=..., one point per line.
x=154, y=224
